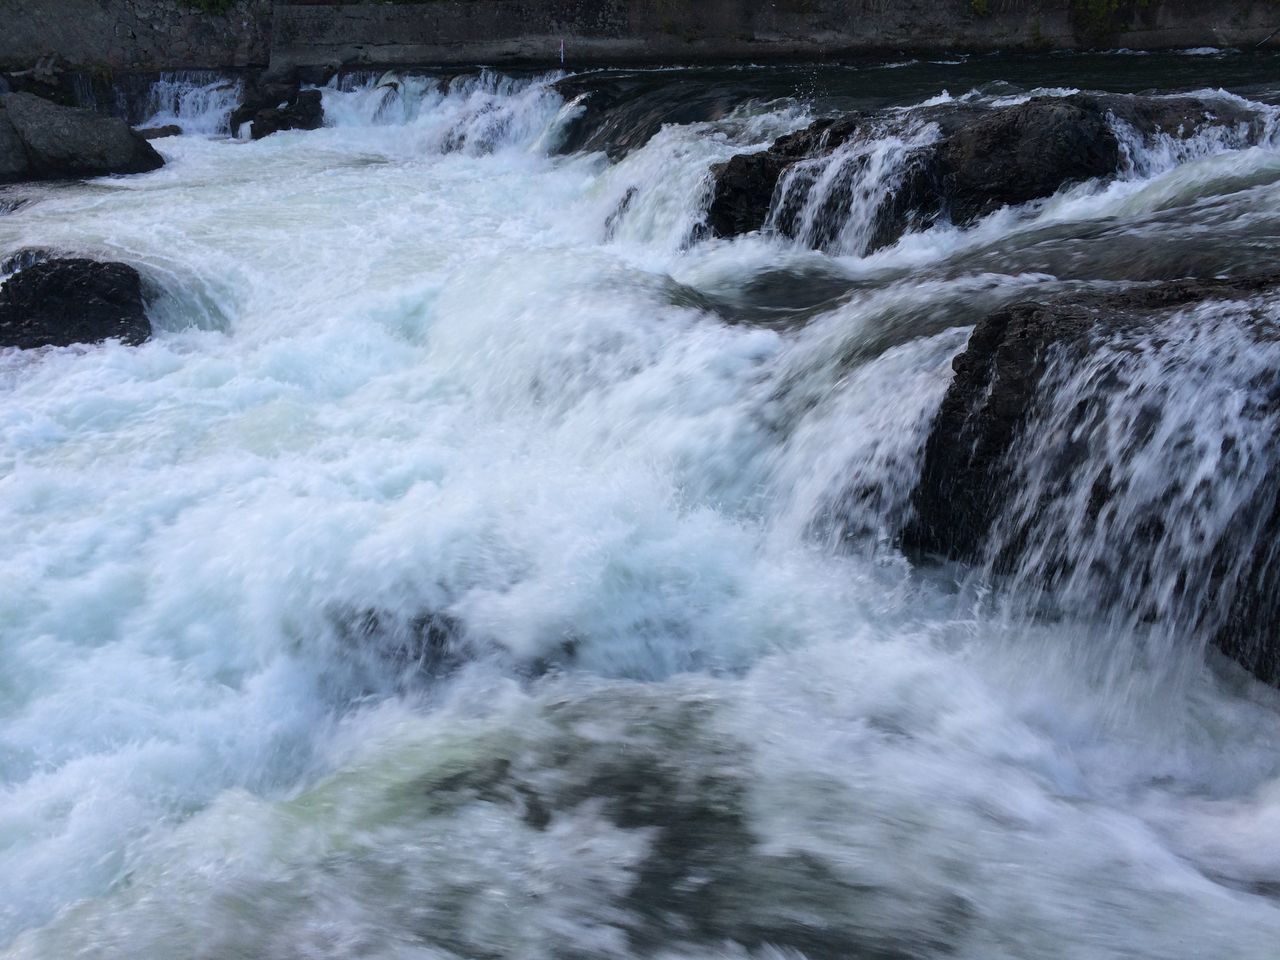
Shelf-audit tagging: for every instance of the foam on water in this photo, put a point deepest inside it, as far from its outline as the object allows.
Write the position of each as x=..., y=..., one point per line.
x=397, y=371
x=200, y=102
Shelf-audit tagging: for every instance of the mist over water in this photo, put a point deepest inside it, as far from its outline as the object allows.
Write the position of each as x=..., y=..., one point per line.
x=481, y=561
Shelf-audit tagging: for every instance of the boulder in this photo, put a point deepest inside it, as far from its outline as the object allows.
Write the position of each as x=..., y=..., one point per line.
x=1038, y=464
x=273, y=104
x=23, y=258
x=306, y=112
x=60, y=302
x=159, y=133
x=983, y=158
x=40, y=140
x=621, y=113
x=13, y=156
x=1020, y=154
x=745, y=184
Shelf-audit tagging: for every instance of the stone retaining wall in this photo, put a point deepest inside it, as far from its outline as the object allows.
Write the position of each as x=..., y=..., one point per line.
x=682, y=31
x=149, y=35
x=133, y=34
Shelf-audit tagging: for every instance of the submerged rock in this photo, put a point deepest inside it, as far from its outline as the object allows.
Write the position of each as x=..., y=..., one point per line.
x=24, y=258
x=60, y=302
x=40, y=140
x=1120, y=450
x=275, y=104
x=745, y=184
x=159, y=133
x=982, y=159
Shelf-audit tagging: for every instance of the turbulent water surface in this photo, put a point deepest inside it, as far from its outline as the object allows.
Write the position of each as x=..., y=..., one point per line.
x=481, y=561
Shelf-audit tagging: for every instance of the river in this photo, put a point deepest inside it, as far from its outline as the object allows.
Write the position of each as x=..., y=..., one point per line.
x=468, y=567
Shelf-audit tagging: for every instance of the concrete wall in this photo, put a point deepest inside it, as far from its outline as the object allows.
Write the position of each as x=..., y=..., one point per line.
x=603, y=31
x=133, y=34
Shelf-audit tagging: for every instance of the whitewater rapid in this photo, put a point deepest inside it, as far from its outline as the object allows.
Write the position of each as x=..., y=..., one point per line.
x=416, y=364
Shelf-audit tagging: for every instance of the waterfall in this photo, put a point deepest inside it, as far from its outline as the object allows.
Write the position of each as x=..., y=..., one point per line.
x=489, y=557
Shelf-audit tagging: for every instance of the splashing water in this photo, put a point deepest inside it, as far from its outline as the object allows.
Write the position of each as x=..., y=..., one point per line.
x=200, y=102
x=477, y=563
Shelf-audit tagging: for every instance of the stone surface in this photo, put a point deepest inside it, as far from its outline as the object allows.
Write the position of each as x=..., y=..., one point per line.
x=64, y=142
x=272, y=104
x=133, y=34
x=1023, y=153
x=13, y=156
x=169, y=34
x=983, y=159
x=749, y=31
x=160, y=133
x=971, y=505
x=60, y=302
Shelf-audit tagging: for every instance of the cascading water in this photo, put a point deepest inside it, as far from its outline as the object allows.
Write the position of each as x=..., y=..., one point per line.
x=835, y=203
x=200, y=102
x=481, y=560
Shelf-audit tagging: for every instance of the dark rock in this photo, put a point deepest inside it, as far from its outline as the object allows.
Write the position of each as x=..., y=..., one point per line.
x=744, y=191
x=60, y=302
x=745, y=184
x=429, y=643
x=983, y=159
x=1021, y=154
x=973, y=502
x=21, y=259
x=13, y=156
x=64, y=142
x=305, y=113
x=619, y=114
x=275, y=103
x=964, y=479
x=12, y=204
x=159, y=133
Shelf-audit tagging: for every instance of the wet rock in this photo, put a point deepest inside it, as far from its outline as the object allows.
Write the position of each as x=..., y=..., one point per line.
x=159, y=133
x=276, y=103
x=973, y=503
x=306, y=112
x=745, y=184
x=429, y=643
x=619, y=114
x=13, y=156
x=60, y=302
x=21, y=259
x=965, y=473
x=1020, y=154
x=40, y=140
x=983, y=159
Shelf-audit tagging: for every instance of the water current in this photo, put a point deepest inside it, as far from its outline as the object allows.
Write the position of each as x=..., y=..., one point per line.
x=468, y=567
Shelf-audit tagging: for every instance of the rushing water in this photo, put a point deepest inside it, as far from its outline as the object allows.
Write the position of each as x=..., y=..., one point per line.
x=480, y=562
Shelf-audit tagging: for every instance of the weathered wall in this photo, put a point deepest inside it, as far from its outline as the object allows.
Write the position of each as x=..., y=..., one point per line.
x=153, y=35
x=133, y=34
x=506, y=31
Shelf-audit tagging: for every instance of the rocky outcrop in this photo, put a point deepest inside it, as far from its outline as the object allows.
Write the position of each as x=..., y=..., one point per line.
x=619, y=113
x=1039, y=463
x=160, y=133
x=747, y=31
x=1021, y=154
x=60, y=302
x=273, y=104
x=40, y=140
x=980, y=161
